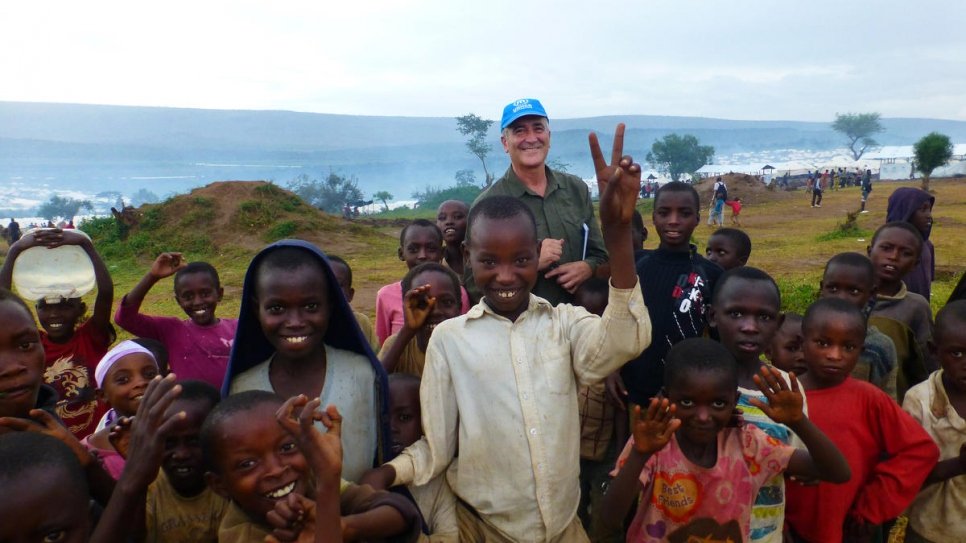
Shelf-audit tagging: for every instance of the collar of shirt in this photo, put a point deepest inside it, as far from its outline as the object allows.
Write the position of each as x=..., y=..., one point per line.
x=482, y=308
x=519, y=189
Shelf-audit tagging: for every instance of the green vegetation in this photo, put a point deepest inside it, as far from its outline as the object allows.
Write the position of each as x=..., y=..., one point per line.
x=858, y=129
x=932, y=151
x=791, y=240
x=677, y=155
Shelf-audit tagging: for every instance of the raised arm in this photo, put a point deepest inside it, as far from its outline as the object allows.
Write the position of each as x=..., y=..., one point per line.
x=124, y=516
x=417, y=306
x=619, y=184
x=822, y=460
x=652, y=432
x=165, y=265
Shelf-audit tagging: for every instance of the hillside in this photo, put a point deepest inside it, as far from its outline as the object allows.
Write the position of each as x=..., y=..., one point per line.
x=225, y=223
x=171, y=150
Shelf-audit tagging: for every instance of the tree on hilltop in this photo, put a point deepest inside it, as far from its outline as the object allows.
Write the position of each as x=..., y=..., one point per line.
x=476, y=128
x=65, y=208
x=384, y=197
x=932, y=151
x=330, y=194
x=675, y=155
x=859, y=129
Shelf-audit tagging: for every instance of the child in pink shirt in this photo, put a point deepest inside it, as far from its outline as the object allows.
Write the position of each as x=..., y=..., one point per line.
x=198, y=347
x=698, y=472
x=420, y=241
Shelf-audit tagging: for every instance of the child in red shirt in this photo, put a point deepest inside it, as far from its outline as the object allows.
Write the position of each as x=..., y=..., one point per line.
x=71, y=351
x=735, y=206
x=889, y=452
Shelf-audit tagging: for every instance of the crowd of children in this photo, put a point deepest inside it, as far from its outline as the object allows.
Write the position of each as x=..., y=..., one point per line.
x=673, y=400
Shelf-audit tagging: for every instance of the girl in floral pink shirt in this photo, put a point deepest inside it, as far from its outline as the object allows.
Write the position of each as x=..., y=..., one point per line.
x=698, y=472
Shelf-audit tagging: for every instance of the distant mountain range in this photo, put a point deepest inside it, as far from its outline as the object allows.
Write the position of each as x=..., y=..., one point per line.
x=92, y=148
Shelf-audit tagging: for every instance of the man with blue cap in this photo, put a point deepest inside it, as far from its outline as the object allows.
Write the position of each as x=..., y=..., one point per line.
x=571, y=246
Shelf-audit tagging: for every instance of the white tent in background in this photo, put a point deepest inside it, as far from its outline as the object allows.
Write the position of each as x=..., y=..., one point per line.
x=839, y=161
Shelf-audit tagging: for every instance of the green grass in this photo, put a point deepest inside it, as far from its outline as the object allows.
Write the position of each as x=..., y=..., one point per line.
x=791, y=241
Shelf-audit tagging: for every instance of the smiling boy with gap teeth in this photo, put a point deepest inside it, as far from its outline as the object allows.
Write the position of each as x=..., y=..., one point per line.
x=502, y=379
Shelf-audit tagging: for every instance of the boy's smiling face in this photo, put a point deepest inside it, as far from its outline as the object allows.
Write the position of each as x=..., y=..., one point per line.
x=21, y=361
x=451, y=220
x=705, y=403
x=198, y=296
x=258, y=462
x=37, y=507
x=849, y=283
x=59, y=319
x=183, y=461
x=675, y=217
x=746, y=314
x=504, y=256
x=293, y=309
x=833, y=343
x=894, y=253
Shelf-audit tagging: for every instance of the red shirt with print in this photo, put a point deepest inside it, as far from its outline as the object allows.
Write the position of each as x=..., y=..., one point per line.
x=70, y=371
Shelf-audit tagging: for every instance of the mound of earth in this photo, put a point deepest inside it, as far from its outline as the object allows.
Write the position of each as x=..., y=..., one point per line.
x=751, y=189
x=242, y=215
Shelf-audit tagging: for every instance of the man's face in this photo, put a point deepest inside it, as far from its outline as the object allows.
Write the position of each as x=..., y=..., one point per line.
x=527, y=141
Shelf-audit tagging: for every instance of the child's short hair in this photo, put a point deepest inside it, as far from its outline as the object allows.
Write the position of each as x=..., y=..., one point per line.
x=195, y=390
x=421, y=223
x=951, y=315
x=679, y=186
x=289, y=259
x=501, y=208
x=230, y=406
x=823, y=306
x=908, y=227
x=333, y=259
x=699, y=354
x=198, y=267
x=23, y=452
x=739, y=238
x=744, y=272
x=8, y=295
x=852, y=260
x=407, y=282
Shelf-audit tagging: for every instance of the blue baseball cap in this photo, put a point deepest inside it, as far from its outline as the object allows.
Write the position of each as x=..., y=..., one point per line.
x=521, y=108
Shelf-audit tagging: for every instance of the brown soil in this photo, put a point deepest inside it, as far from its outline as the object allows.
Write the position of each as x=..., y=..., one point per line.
x=749, y=188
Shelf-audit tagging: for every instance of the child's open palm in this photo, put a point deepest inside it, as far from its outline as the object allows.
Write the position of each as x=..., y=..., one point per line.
x=323, y=451
x=418, y=306
x=167, y=264
x=653, y=430
x=784, y=403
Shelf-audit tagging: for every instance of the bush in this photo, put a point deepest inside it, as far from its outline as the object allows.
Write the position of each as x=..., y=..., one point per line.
x=282, y=230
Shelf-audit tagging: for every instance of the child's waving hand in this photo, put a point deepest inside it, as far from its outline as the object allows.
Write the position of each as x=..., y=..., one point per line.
x=323, y=451
x=417, y=306
x=166, y=265
x=784, y=403
x=654, y=429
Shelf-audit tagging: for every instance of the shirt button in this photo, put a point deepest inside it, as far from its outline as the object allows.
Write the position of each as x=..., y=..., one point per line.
x=533, y=431
x=526, y=396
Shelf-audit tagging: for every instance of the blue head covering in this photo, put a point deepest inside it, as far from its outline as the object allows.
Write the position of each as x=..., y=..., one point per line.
x=251, y=347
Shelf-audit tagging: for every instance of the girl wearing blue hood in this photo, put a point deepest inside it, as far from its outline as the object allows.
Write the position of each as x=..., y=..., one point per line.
x=914, y=206
x=297, y=335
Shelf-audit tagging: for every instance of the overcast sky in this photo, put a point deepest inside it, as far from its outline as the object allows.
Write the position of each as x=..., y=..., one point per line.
x=738, y=59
